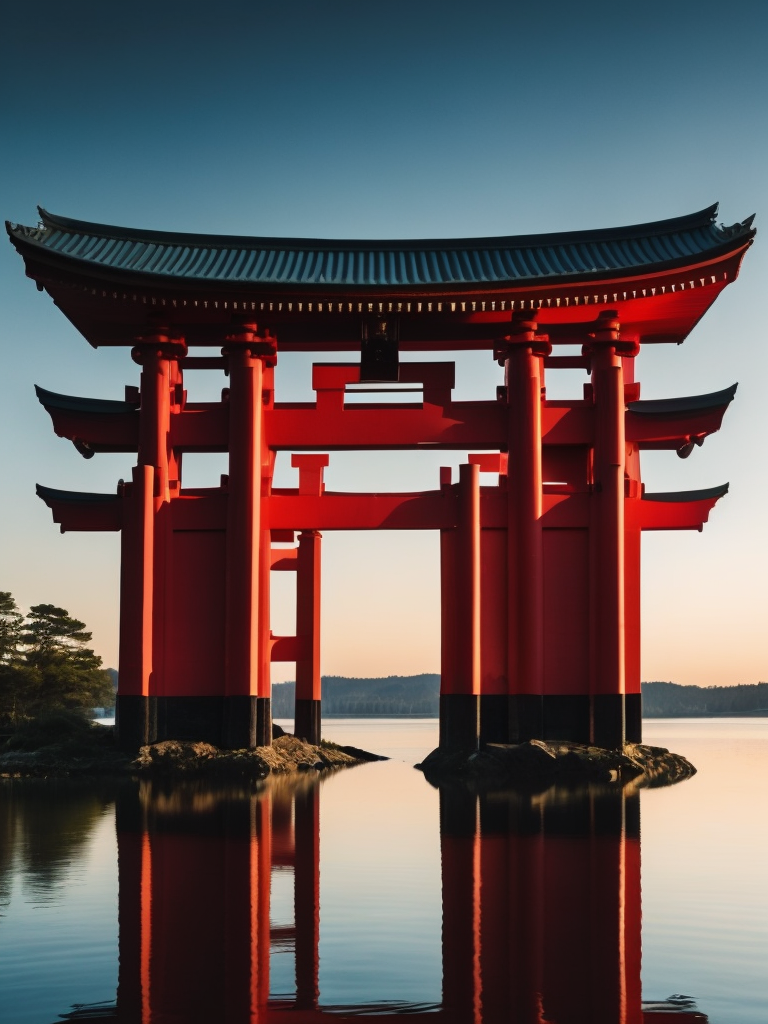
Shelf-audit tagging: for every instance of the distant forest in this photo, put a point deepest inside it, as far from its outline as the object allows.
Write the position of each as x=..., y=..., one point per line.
x=389, y=695
x=419, y=696
x=670, y=700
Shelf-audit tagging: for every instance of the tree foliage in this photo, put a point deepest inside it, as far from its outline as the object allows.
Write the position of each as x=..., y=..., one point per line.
x=10, y=627
x=46, y=665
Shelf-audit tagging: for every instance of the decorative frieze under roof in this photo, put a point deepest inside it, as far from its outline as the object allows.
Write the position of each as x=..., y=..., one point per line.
x=115, y=283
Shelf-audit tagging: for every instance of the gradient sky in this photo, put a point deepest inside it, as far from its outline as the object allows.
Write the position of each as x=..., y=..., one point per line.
x=398, y=119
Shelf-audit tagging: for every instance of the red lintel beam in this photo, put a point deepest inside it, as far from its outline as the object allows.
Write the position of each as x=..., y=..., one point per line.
x=428, y=510
x=284, y=559
x=454, y=426
x=78, y=511
x=289, y=648
x=201, y=427
x=303, y=426
x=458, y=425
x=418, y=510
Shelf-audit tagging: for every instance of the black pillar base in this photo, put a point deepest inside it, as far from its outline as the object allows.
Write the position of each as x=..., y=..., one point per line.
x=526, y=717
x=239, y=718
x=608, y=720
x=135, y=721
x=307, y=720
x=494, y=717
x=190, y=718
x=263, y=717
x=459, y=721
x=566, y=717
x=633, y=718
x=233, y=723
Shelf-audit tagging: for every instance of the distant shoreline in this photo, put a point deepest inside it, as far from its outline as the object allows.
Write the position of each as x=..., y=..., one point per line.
x=646, y=718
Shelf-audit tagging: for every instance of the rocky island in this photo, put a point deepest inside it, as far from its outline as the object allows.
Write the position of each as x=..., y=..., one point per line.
x=542, y=762
x=65, y=746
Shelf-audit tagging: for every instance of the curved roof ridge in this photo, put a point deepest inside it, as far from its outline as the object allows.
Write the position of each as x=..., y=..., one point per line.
x=76, y=403
x=689, y=403
x=73, y=497
x=702, y=494
x=700, y=219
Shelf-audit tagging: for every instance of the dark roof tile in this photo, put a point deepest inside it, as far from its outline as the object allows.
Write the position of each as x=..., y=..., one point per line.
x=504, y=260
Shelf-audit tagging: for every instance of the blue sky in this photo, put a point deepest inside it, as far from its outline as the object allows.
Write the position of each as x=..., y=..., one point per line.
x=419, y=119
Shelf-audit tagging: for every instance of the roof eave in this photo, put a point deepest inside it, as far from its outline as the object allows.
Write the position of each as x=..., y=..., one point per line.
x=41, y=254
x=688, y=222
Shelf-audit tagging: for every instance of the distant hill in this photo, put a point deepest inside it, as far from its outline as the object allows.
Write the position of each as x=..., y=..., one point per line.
x=387, y=695
x=419, y=695
x=671, y=700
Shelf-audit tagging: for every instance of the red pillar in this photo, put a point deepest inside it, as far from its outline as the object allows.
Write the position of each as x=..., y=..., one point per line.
x=633, y=715
x=194, y=900
x=247, y=713
x=525, y=659
x=137, y=579
x=260, y=892
x=307, y=716
x=306, y=880
x=608, y=537
x=460, y=686
x=460, y=846
x=633, y=709
x=144, y=546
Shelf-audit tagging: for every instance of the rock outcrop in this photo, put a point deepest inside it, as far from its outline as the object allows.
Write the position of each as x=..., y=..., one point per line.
x=542, y=762
x=181, y=758
x=286, y=754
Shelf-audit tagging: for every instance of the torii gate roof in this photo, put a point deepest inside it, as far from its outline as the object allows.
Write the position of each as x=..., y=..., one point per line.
x=112, y=281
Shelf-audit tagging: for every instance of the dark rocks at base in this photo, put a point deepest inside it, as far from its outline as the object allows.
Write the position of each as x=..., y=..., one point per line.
x=541, y=762
x=286, y=754
x=181, y=758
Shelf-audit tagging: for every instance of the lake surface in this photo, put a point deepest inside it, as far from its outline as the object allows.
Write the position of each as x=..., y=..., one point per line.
x=368, y=892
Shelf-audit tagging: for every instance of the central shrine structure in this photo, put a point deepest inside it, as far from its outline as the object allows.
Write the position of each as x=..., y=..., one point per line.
x=540, y=565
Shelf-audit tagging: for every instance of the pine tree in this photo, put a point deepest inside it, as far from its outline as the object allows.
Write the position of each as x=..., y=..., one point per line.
x=45, y=664
x=10, y=628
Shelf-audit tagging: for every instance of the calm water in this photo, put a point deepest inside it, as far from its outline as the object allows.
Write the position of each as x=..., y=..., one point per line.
x=370, y=892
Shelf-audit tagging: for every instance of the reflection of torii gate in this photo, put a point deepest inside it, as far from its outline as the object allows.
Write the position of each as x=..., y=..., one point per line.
x=541, y=909
x=540, y=568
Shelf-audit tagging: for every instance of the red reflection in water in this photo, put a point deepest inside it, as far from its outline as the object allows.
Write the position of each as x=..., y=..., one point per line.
x=541, y=908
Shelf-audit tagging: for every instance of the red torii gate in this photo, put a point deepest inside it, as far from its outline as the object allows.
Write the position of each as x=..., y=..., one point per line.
x=540, y=568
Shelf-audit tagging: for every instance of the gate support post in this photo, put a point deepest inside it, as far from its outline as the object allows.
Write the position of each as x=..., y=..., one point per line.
x=247, y=702
x=460, y=678
x=608, y=540
x=525, y=579
x=143, y=546
x=307, y=715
